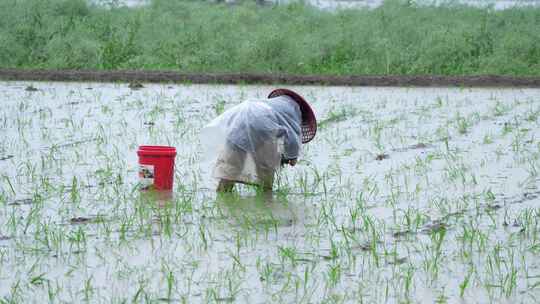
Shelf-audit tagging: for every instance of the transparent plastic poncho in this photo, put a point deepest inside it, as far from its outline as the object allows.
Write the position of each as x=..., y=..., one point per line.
x=271, y=125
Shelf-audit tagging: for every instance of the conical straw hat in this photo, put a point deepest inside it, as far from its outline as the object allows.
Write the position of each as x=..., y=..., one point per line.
x=309, y=121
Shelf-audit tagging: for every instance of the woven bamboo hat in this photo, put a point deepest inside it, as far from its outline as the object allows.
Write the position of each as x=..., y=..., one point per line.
x=309, y=121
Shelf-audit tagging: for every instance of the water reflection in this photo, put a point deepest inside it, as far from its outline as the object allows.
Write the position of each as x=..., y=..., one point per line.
x=259, y=211
x=159, y=198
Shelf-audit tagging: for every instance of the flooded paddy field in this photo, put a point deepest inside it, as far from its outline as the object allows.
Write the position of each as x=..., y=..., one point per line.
x=405, y=195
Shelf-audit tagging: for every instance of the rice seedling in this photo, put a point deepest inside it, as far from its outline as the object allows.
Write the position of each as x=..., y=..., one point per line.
x=444, y=208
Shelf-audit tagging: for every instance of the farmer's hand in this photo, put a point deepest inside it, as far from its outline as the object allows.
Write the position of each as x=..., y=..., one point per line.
x=285, y=161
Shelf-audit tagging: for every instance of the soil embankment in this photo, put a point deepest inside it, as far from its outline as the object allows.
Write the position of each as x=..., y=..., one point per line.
x=251, y=78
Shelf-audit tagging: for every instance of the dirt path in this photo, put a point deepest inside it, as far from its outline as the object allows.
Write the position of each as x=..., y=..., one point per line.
x=250, y=78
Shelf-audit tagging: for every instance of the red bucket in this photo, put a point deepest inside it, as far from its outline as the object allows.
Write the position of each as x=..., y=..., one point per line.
x=156, y=167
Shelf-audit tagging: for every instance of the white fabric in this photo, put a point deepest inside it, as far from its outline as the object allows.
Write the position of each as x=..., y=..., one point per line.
x=257, y=167
x=251, y=125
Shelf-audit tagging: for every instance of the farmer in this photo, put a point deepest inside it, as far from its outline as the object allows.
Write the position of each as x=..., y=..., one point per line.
x=257, y=136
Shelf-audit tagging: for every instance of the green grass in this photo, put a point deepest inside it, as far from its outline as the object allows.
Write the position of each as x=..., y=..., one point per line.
x=394, y=39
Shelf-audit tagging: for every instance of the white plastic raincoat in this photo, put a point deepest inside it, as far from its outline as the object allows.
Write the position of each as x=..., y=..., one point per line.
x=250, y=139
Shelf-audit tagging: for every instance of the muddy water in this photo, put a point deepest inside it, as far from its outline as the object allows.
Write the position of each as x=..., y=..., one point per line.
x=406, y=194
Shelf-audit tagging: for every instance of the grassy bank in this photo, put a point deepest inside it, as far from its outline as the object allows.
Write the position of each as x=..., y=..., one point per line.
x=393, y=39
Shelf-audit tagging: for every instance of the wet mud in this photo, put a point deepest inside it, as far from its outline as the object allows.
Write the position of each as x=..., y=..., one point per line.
x=6, y=157
x=382, y=156
x=24, y=201
x=136, y=77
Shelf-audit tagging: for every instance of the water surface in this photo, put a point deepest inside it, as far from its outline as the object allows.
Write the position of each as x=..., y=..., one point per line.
x=406, y=194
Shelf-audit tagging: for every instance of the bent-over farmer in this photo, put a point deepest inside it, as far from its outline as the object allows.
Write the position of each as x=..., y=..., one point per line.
x=259, y=136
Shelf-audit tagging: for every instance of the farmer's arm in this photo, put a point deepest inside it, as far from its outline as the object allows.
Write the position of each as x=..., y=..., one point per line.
x=292, y=145
x=289, y=117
